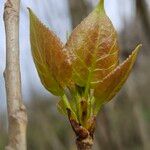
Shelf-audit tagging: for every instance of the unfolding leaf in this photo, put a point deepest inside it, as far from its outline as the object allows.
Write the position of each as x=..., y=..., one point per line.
x=93, y=47
x=112, y=83
x=50, y=59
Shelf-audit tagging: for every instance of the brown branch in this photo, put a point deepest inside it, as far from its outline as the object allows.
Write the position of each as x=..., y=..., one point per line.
x=85, y=144
x=17, y=117
x=84, y=137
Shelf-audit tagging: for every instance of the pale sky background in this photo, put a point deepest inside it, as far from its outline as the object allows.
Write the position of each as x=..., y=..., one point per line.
x=59, y=21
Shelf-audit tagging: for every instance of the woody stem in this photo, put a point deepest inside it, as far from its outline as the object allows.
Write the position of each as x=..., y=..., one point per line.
x=85, y=144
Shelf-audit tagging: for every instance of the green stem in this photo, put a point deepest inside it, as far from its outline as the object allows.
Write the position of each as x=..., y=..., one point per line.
x=67, y=105
x=101, y=4
x=88, y=84
x=78, y=107
x=65, y=101
x=90, y=107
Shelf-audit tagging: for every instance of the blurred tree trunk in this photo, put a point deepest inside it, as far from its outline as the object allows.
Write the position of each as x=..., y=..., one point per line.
x=143, y=15
x=79, y=10
x=139, y=29
x=137, y=112
x=17, y=117
x=104, y=134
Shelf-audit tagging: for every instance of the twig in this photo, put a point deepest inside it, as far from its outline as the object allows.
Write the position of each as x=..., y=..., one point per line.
x=17, y=117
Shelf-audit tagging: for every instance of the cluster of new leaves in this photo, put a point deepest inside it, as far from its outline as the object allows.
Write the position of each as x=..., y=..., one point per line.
x=87, y=65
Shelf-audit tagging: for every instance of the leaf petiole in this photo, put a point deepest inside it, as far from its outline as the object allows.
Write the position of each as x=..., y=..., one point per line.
x=65, y=101
x=67, y=106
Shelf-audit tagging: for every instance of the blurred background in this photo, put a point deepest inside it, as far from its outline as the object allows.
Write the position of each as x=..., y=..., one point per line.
x=124, y=123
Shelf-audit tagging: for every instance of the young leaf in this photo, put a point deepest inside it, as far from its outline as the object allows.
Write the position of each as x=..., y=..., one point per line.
x=113, y=82
x=50, y=59
x=93, y=47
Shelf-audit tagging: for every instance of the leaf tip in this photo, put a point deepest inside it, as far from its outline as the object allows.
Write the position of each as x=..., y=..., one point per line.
x=139, y=46
x=30, y=12
x=29, y=9
x=137, y=49
x=101, y=6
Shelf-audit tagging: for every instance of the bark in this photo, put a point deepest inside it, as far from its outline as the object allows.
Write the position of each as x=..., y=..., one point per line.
x=84, y=136
x=85, y=144
x=17, y=117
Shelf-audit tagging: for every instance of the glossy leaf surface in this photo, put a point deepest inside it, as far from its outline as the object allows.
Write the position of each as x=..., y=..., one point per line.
x=112, y=83
x=50, y=59
x=93, y=48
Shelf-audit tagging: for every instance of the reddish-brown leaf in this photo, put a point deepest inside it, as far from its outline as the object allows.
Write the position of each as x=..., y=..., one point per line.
x=93, y=47
x=113, y=82
x=50, y=59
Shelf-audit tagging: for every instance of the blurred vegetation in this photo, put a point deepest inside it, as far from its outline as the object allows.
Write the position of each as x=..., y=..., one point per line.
x=124, y=123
